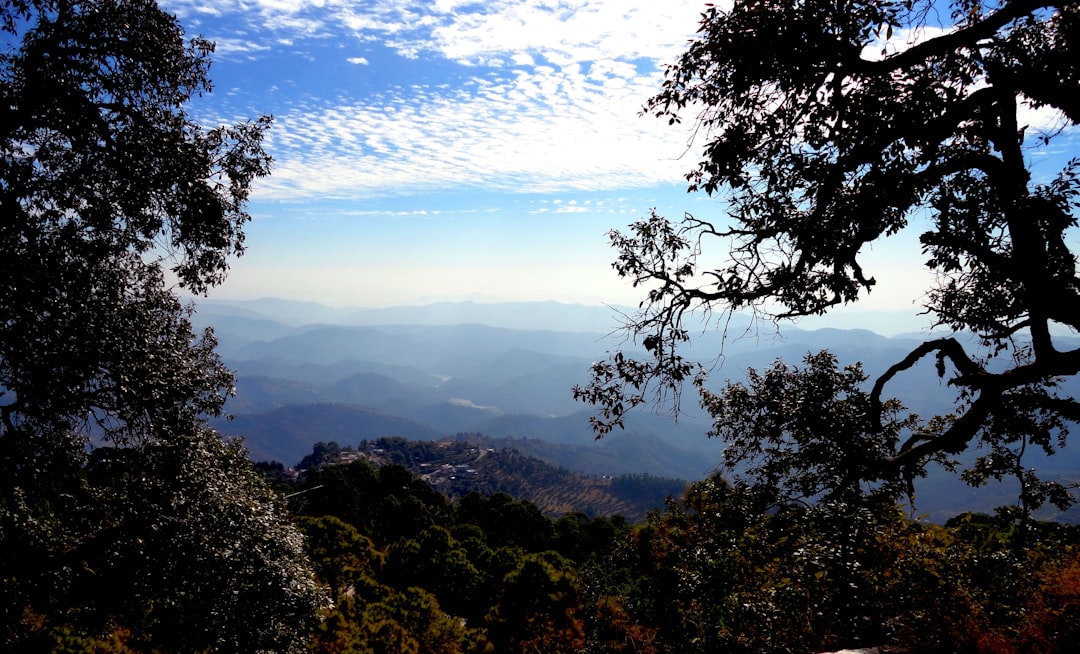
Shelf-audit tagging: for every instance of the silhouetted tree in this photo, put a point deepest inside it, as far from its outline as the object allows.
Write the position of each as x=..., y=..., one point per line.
x=832, y=125
x=119, y=507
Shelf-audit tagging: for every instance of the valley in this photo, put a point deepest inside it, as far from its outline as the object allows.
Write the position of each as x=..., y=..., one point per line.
x=356, y=376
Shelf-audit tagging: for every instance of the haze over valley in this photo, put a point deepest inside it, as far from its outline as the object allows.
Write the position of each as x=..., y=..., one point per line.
x=309, y=373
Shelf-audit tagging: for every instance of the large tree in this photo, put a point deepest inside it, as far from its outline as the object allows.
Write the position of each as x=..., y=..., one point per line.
x=830, y=125
x=121, y=511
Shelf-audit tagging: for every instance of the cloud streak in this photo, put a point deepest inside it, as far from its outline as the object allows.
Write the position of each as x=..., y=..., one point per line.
x=534, y=131
x=538, y=96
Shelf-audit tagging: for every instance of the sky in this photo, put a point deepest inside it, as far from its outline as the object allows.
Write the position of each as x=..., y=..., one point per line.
x=449, y=150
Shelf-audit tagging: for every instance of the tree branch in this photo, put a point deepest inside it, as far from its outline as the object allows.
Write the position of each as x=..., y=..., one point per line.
x=952, y=41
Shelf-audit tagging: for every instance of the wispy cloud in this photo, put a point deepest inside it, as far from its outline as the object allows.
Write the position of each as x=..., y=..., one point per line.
x=240, y=46
x=545, y=95
x=535, y=131
x=573, y=30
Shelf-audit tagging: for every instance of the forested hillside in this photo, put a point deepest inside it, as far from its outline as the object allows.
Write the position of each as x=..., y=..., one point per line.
x=473, y=463
x=713, y=570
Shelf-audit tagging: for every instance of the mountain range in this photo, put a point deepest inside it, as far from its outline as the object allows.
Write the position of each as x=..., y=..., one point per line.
x=309, y=373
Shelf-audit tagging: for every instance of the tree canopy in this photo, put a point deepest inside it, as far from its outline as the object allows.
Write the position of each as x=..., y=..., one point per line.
x=120, y=509
x=831, y=125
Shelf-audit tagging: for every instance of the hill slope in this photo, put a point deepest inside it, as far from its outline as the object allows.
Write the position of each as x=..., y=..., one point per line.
x=472, y=463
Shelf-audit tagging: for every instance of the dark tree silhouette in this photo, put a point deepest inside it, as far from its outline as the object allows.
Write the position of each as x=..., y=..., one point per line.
x=119, y=507
x=830, y=125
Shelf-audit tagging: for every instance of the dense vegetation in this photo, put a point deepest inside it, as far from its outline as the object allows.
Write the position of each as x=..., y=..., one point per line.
x=472, y=463
x=719, y=569
x=127, y=524
x=124, y=518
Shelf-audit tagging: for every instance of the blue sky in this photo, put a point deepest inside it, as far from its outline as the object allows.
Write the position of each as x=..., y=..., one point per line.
x=454, y=150
x=446, y=150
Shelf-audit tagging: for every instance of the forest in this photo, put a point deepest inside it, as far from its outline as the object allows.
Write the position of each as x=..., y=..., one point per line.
x=471, y=463
x=713, y=570
x=128, y=523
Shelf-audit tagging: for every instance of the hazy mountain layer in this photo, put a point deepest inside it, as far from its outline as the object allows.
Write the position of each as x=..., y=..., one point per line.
x=309, y=373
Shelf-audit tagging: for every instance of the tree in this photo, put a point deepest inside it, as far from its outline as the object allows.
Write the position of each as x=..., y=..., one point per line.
x=119, y=506
x=409, y=621
x=722, y=571
x=341, y=555
x=438, y=563
x=538, y=608
x=799, y=435
x=831, y=125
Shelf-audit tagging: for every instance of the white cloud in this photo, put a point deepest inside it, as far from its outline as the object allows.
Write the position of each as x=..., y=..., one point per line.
x=209, y=10
x=535, y=131
x=227, y=47
x=1040, y=120
x=585, y=30
x=561, y=112
x=569, y=30
x=545, y=95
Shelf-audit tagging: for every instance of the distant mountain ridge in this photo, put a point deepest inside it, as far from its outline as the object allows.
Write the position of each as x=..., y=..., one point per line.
x=550, y=316
x=299, y=383
x=286, y=434
x=282, y=433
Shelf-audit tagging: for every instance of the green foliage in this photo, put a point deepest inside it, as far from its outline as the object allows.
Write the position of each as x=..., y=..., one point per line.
x=40, y=637
x=321, y=454
x=507, y=521
x=720, y=571
x=810, y=433
x=410, y=621
x=538, y=608
x=121, y=512
x=487, y=574
x=735, y=566
x=581, y=539
x=196, y=553
x=386, y=503
x=342, y=556
x=436, y=561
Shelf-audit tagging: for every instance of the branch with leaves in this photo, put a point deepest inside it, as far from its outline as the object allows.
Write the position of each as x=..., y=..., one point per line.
x=832, y=125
